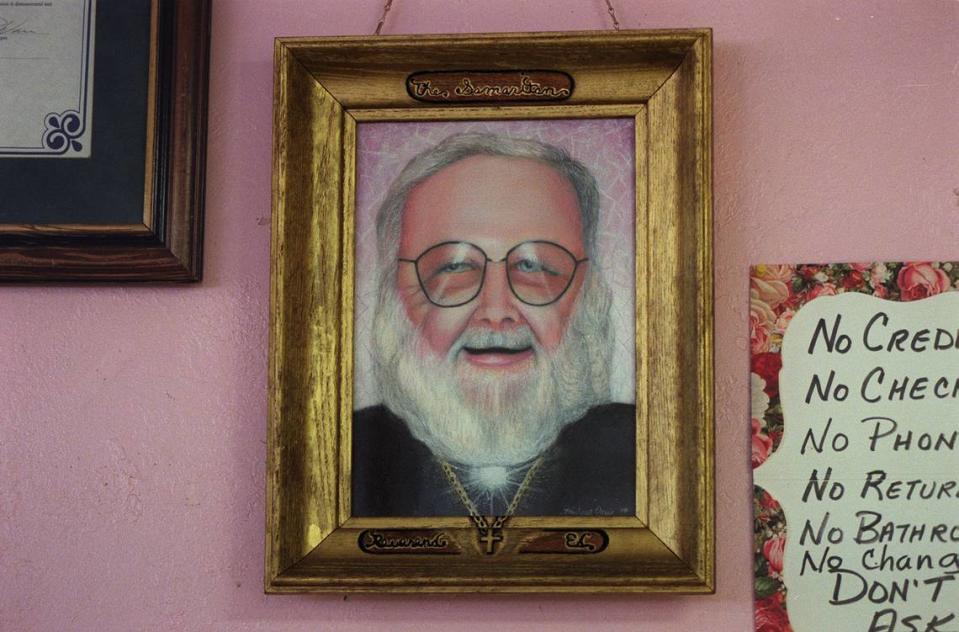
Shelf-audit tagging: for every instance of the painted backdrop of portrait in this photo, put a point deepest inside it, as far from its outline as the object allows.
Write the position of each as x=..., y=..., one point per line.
x=532, y=343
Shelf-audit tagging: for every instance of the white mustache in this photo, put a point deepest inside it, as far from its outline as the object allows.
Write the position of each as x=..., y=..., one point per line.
x=484, y=338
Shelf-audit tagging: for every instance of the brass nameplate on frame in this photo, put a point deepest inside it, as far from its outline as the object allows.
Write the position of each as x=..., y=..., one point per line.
x=408, y=542
x=567, y=541
x=480, y=86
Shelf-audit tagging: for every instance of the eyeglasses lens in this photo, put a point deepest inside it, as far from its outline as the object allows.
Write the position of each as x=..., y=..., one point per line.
x=539, y=272
x=451, y=274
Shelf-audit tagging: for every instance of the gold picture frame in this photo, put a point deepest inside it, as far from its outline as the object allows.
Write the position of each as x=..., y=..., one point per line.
x=324, y=87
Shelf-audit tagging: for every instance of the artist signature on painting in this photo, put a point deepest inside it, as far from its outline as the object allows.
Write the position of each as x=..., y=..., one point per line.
x=14, y=27
x=594, y=511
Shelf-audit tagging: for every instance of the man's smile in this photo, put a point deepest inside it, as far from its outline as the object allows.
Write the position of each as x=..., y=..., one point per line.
x=497, y=357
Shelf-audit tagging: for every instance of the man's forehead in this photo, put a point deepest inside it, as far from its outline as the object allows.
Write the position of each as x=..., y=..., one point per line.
x=497, y=199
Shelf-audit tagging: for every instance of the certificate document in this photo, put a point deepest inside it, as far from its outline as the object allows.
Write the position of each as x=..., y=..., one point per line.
x=46, y=78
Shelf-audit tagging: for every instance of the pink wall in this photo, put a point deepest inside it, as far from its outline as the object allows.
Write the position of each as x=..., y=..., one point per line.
x=133, y=419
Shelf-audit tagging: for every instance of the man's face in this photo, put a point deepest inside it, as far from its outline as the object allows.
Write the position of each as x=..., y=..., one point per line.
x=495, y=203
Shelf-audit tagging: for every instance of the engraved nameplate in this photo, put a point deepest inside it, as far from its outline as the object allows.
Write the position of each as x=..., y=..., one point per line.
x=484, y=86
x=567, y=541
x=407, y=542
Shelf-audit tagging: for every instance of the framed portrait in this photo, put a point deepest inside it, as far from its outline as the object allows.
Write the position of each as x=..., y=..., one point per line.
x=103, y=132
x=491, y=316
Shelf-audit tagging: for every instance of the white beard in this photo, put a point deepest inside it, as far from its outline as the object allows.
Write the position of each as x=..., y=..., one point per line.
x=474, y=417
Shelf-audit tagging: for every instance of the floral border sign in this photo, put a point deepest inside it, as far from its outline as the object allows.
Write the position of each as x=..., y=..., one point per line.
x=869, y=380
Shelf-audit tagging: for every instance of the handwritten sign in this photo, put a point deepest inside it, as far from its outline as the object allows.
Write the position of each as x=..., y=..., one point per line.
x=865, y=481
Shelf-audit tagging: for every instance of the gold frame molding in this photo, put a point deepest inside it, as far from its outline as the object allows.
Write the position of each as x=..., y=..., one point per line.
x=323, y=88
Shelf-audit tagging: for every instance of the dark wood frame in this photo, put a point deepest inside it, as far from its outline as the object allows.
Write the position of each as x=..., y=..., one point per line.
x=168, y=248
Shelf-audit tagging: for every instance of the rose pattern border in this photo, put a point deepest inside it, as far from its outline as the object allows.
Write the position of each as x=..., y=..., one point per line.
x=776, y=293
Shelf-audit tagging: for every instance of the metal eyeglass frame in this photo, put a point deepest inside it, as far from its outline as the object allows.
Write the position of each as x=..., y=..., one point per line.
x=487, y=261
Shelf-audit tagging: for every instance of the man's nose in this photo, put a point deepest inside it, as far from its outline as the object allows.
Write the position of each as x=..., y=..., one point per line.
x=496, y=306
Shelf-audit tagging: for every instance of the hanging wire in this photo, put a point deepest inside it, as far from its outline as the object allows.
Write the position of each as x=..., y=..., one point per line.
x=389, y=5
x=612, y=14
x=386, y=9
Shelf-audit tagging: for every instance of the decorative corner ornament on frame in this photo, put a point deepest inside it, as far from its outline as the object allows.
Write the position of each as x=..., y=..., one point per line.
x=479, y=348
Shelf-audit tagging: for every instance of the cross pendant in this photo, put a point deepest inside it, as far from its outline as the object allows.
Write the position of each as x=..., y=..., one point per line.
x=490, y=538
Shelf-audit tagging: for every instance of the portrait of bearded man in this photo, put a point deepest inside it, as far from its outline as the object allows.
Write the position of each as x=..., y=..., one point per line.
x=491, y=342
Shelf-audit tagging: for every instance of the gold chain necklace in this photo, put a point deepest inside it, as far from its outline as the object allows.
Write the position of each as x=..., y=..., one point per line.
x=489, y=527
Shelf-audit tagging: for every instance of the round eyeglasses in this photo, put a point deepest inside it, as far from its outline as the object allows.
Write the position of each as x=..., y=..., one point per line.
x=452, y=273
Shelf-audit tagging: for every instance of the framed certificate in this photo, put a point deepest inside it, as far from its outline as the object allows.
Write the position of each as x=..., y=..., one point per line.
x=102, y=139
x=491, y=318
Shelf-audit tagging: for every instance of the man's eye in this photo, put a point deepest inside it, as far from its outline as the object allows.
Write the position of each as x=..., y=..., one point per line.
x=532, y=266
x=455, y=266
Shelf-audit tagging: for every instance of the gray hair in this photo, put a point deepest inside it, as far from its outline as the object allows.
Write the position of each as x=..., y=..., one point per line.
x=460, y=146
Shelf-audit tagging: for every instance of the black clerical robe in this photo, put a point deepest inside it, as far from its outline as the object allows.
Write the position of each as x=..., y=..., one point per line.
x=590, y=470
